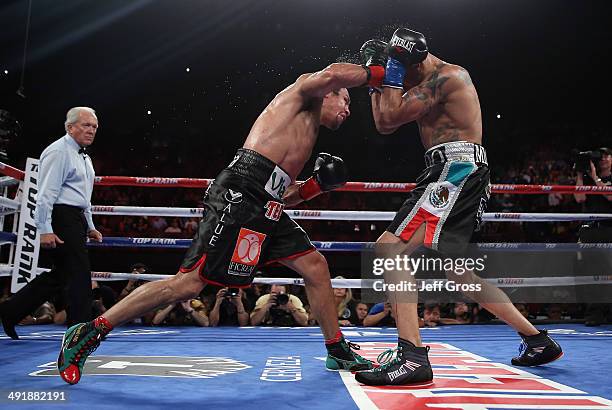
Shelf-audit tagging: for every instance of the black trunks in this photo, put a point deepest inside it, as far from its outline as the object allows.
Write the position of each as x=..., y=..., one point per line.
x=450, y=197
x=244, y=225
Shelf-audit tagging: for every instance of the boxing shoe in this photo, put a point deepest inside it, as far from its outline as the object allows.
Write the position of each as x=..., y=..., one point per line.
x=537, y=349
x=78, y=343
x=342, y=357
x=409, y=367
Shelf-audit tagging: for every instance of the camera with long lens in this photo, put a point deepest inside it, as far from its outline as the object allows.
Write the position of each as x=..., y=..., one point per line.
x=281, y=299
x=582, y=159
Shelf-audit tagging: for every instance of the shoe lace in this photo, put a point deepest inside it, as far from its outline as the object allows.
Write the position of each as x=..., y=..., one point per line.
x=386, y=359
x=354, y=346
x=88, y=348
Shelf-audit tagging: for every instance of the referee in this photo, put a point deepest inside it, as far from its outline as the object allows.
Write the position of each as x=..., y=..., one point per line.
x=63, y=218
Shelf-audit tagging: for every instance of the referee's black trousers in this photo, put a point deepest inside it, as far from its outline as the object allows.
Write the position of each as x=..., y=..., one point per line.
x=70, y=277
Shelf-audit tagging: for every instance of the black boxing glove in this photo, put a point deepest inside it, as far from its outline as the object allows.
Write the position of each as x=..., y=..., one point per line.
x=329, y=173
x=373, y=55
x=406, y=47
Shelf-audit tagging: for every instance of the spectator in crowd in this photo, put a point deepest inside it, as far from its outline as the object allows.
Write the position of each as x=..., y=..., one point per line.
x=137, y=268
x=481, y=315
x=431, y=314
x=345, y=305
x=158, y=224
x=174, y=228
x=554, y=311
x=104, y=298
x=599, y=174
x=381, y=314
x=278, y=308
x=191, y=226
x=254, y=292
x=361, y=310
x=461, y=314
x=41, y=316
x=522, y=308
x=188, y=312
x=229, y=309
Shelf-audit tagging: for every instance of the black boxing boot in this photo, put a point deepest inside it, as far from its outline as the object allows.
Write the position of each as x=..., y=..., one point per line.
x=410, y=367
x=537, y=349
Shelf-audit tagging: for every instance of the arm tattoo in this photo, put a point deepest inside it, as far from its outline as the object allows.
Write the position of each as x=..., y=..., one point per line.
x=465, y=77
x=429, y=91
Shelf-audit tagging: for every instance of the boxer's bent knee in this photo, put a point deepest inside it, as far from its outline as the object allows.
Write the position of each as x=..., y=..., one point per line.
x=312, y=267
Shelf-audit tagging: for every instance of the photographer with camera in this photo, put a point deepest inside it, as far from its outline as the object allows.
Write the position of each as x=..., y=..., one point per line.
x=187, y=312
x=229, y=308
x=587, y=173
x=593, y=168
x=278, y=308
x=137, y=268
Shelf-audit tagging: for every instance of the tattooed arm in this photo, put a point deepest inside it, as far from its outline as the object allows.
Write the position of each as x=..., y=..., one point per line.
x=392, y=109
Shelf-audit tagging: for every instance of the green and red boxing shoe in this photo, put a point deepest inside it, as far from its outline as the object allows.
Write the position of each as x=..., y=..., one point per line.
x=78, y=343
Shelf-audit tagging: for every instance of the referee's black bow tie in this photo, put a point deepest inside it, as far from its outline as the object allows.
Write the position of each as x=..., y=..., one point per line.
x=83, y=150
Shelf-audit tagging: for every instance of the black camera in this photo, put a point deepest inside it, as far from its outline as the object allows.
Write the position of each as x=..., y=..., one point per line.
x=231, y=292
x=282, y=299
x=582, y=159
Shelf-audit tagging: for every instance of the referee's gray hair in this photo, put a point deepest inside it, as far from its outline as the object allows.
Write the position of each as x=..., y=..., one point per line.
x=72, y=115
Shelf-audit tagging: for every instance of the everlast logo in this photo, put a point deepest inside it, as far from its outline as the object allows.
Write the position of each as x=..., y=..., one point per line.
x=402, y=42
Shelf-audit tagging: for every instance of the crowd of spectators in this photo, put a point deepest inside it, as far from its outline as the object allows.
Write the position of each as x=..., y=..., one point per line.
x=281, y=305
x=287, y=305
x=543, y=166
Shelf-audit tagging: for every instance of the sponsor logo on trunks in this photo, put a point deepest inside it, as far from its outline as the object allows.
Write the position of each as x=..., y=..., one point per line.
x=246, y=253
x=233, y=197
x=220, y=225
x=274, y=210
x=439, y=196
x=480, y=155
x=482, y=207
x=277, y=183
x=155, y=366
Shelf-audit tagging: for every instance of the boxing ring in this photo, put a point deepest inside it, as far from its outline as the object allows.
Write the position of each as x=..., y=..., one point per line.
x=254, y=367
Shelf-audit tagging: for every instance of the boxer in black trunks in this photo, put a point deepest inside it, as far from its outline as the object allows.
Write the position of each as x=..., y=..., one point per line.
x=445, y=208
x=245, y=226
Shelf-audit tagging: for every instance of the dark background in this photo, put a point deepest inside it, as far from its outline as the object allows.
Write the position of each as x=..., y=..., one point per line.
x=541, y=64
